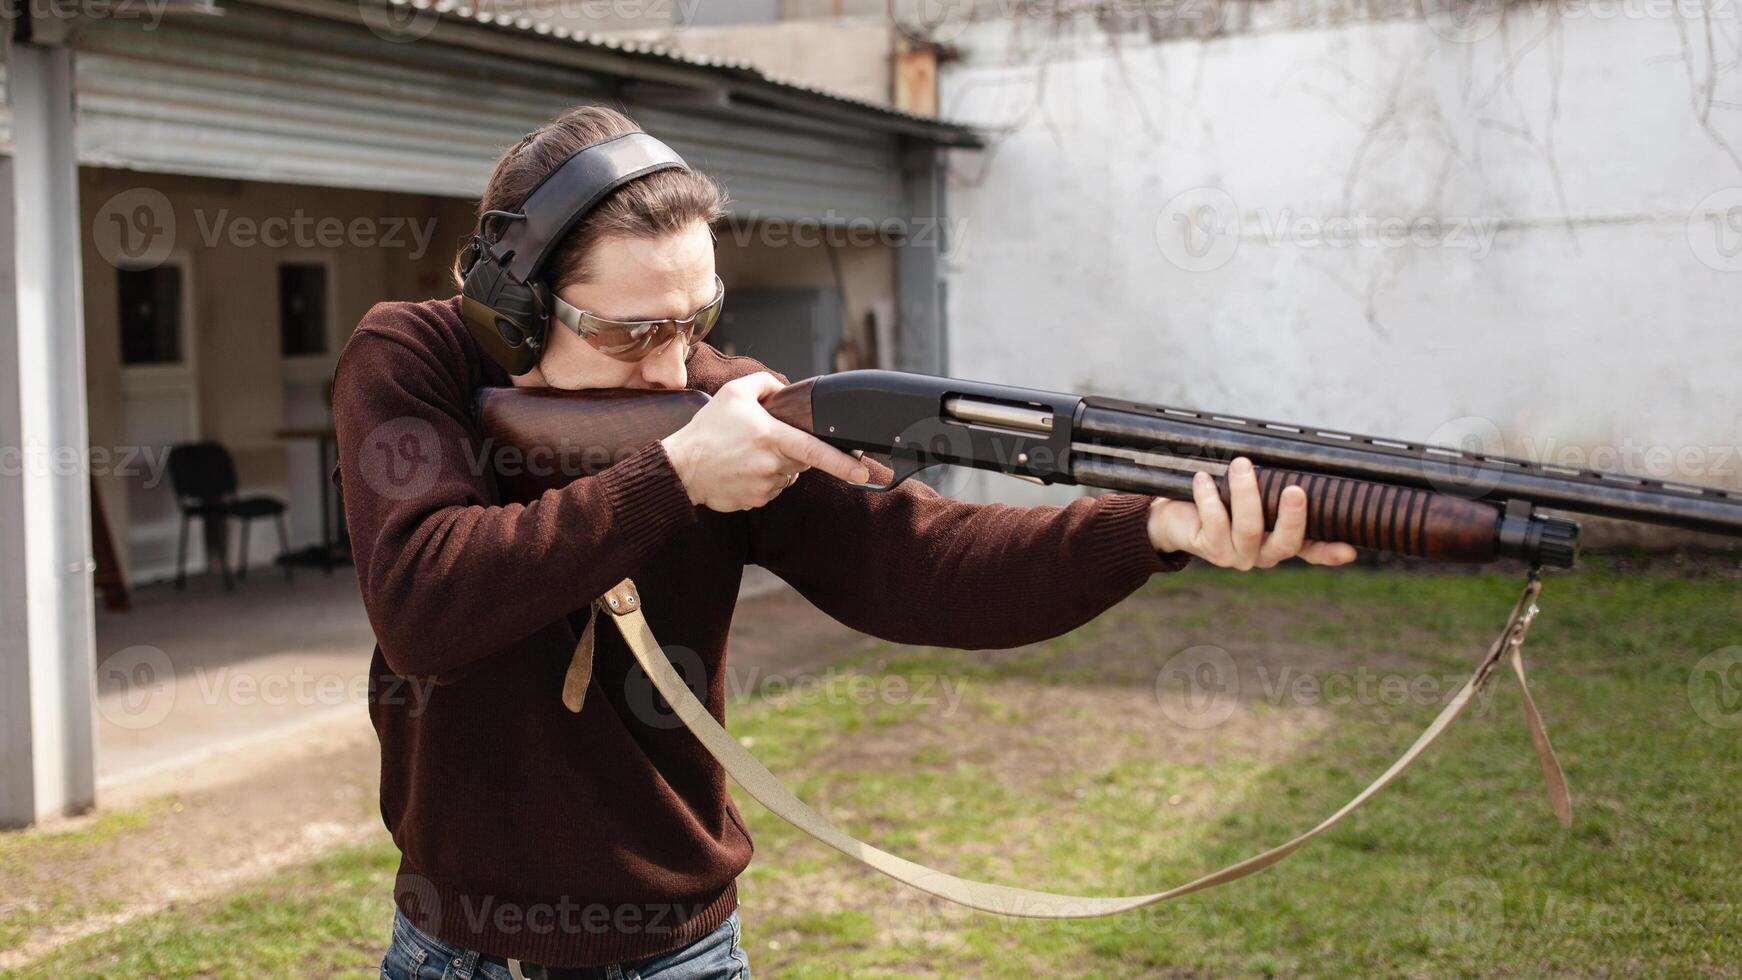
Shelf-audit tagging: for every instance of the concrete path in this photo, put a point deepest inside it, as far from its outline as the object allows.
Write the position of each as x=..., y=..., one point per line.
x=187, y=675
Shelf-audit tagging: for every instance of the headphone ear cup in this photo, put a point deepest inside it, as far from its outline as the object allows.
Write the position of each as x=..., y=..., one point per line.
x=507, y=319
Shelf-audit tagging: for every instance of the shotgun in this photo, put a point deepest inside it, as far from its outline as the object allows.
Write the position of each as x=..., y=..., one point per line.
x=1390, y=495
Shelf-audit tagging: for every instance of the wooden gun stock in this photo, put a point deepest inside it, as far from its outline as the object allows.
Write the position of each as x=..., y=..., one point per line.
x=541, y=439
x=544, y=438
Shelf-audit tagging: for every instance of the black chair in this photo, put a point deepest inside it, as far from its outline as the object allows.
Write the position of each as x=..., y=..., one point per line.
x=204, y=479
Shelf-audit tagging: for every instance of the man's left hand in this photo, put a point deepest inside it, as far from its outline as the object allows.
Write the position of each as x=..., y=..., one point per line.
x=1203, y=527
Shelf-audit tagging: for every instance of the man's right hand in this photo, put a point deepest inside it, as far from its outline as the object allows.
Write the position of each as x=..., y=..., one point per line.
x=734, y=456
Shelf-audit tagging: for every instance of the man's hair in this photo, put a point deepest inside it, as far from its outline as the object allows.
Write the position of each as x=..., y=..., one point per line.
x=647, y=207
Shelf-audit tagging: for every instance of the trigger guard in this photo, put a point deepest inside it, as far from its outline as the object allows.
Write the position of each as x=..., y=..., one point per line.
x=902, y=466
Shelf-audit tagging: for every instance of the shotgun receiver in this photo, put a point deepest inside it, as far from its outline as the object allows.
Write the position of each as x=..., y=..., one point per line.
x=1391, y=495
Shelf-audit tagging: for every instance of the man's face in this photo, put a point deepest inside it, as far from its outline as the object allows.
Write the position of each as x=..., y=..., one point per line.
x=632, y=279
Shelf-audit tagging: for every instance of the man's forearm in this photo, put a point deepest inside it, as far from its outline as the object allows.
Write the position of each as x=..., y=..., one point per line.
x=912, y=566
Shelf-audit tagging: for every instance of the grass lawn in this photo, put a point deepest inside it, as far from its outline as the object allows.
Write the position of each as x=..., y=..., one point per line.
x=1066, y=765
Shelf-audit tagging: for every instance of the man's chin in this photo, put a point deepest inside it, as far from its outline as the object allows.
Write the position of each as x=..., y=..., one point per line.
x=535, y=379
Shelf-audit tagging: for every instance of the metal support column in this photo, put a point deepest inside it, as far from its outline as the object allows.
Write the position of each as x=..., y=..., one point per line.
x=919, y=274
x=47, y=738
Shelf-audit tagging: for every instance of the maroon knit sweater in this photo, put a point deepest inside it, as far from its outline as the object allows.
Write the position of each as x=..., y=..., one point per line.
x=581, y=839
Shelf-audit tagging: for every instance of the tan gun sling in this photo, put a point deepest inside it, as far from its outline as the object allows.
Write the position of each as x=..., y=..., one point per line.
x=623, y=605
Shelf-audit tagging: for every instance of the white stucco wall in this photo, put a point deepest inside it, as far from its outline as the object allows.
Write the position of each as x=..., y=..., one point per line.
x=1575, y=294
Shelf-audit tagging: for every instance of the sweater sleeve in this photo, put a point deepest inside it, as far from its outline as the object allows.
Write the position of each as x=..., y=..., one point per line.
x=912, y=566
x=448, y=576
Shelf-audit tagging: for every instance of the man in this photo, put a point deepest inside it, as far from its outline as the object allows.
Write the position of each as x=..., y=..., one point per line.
x=544, y=842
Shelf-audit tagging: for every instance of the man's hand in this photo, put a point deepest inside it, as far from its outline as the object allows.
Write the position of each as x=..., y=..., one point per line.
x=733, y=455
x=1203, y=527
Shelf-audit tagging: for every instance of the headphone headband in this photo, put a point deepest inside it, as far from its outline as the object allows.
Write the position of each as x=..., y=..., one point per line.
x=574, y=189
x=505, y=304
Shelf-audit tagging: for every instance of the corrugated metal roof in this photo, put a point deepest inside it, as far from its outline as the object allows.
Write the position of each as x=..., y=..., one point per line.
x=941, y=131
x=269, y=94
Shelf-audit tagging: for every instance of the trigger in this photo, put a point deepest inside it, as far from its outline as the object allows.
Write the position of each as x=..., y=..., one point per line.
x=902, y=465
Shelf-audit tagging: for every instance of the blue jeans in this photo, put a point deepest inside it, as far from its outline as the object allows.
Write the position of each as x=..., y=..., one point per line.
x=416, y=955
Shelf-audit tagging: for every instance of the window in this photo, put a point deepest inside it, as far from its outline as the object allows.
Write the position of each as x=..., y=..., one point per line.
x=150, y=307
x=302, y=309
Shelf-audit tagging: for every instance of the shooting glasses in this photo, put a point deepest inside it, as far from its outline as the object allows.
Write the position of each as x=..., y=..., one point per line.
x=632, y=340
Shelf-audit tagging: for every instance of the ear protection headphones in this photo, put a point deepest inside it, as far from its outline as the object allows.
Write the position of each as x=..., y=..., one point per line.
x=504, y=297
